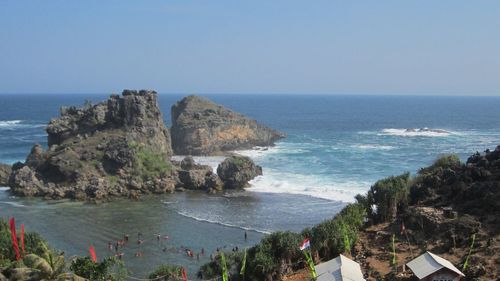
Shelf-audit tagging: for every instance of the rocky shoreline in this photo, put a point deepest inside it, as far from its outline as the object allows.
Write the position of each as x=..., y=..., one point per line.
x=121, y=147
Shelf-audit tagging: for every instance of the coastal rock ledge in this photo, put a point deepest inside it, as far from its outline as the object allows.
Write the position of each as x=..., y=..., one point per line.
x=118, y=147
x=201, y=127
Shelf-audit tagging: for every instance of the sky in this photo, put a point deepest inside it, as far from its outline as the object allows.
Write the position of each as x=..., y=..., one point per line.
x=411, y=47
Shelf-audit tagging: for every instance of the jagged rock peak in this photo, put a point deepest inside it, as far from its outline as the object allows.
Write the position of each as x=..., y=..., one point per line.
x=201, y=127
x=135, y=112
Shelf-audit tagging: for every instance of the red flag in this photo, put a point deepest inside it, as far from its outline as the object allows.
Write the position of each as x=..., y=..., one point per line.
x=184, y=275
x=22, y=239
x=92, y=254
x=14, y=238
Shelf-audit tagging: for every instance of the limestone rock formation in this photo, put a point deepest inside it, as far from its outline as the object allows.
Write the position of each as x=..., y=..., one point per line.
x=201, y=127
x=237, y=171
x=198, y=177
x=5, y=171
x=113, y=148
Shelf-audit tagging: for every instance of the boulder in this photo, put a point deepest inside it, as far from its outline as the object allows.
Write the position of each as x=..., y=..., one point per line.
x=201, y=127
x=5, y=171
x=237, y=171
x=198, y=177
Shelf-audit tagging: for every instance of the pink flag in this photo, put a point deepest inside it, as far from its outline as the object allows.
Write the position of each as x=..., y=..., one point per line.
x=22, y=239
x=92, y=254
x=305, y=244
x=14, y=238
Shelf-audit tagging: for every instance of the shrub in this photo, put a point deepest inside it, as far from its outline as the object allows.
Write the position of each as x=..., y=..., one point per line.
x=388, y=196
x=150, y=165
x=443, y=162
x=109, y=269
x=166, y=272
x=213, y=269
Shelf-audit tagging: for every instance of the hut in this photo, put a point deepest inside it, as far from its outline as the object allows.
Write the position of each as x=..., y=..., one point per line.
x=430, y=267
x=339, y=269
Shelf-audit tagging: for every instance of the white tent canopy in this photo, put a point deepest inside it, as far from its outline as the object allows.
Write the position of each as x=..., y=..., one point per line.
x=338, y=269
x=428, y=263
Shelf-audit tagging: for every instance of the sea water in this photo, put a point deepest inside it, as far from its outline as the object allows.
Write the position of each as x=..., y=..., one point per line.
x=337, y=146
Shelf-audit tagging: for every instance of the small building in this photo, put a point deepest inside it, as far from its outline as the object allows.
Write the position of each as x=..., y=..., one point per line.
x=430, y=267
x=340, y=268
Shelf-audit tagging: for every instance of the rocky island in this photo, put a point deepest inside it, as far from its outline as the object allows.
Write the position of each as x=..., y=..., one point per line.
x=201, y=127
x=121, y=147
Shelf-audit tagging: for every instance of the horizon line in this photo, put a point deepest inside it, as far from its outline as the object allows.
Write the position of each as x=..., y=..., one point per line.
x=269, y=93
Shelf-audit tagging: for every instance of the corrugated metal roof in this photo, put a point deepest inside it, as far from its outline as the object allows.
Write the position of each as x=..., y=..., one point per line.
x=428, y=263
x=339, y=269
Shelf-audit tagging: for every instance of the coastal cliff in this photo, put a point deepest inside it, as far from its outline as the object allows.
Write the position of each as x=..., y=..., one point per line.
x=121, y=147
x=450, y=208
x=116, y=147
x=201, y=127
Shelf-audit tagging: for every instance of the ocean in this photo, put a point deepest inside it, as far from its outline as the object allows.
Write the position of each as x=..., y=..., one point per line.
x=337, y=147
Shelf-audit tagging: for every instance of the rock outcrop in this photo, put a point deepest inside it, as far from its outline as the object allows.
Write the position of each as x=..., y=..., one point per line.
x=237, y=171
x=201, y=127
x=5, y=171
x=114, y=148
x=198, y=177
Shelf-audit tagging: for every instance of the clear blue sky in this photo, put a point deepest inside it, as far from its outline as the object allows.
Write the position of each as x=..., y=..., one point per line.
x=325, y=47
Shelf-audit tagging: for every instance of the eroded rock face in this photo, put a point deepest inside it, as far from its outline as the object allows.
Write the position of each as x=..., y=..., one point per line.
x=113, y=148
x=201, y=127
x=135, y=112
x=198, y=177
x=5, y=171
x=237, y=171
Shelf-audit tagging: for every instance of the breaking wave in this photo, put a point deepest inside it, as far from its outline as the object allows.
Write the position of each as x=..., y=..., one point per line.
x=421, y=132
x=221, y=223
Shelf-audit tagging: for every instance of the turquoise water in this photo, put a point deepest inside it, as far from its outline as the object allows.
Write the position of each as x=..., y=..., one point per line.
x=337, y=146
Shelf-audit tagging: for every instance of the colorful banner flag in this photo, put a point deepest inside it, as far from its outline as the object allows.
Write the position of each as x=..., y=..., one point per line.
x=393, y=249
x=22, y=239
x=224, y=267
x=305, y=244
x=244, y=263
x=184, y=274
x=310, y=262
x=13, y=235
x=92, y=254
x=466, y=263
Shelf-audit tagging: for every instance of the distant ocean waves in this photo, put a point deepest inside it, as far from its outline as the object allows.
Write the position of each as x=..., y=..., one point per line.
x=18, y=124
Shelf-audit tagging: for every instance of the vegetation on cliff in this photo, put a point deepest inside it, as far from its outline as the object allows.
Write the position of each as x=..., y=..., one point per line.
x=439, y=209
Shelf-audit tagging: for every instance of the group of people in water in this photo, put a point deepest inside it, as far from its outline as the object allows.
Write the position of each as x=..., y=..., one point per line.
x=120, y=244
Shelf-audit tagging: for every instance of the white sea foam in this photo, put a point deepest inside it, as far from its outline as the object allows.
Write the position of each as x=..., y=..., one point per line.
x=221, y=223
x=212, y=161
x=9, y=123
x=372, y=147
x=4, y=188
x=310, y=185
x=14, y=204
x=422, y=132
x=12, y=124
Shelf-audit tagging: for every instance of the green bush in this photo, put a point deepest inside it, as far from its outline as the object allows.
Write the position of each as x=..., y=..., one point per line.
x=443, y=162
x=150, y=165
x=388, y=196
x=109, y=269
x=166, y=272
x=213, y=269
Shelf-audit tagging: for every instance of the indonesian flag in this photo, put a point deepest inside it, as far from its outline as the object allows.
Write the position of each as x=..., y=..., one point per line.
x=305, y=244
